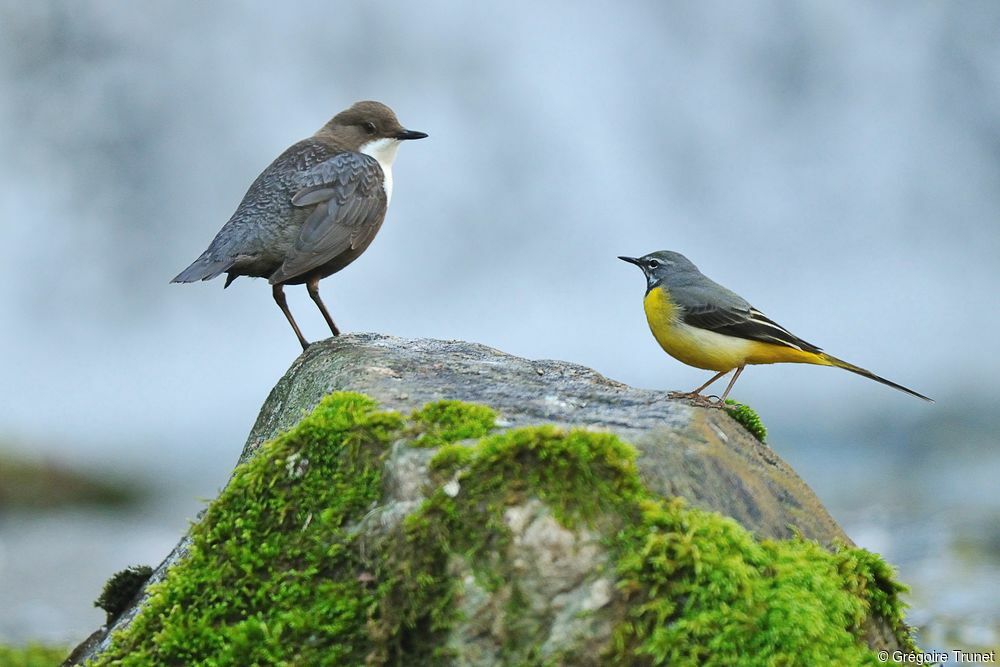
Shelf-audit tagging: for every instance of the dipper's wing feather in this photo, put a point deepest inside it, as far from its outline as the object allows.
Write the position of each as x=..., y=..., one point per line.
x=350, y=204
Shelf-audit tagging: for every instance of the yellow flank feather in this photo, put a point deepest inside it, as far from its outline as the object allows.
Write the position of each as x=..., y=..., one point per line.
x=710, y=350
x=766, y=353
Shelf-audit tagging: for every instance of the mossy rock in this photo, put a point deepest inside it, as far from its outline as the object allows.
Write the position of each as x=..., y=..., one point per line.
x=464, y=506
x=347, y=541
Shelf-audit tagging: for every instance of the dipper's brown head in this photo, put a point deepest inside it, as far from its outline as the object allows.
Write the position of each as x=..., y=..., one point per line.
x=367, y=127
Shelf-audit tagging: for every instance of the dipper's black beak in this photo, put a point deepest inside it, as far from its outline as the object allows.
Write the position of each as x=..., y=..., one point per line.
x=410, y=134
x=632, y=260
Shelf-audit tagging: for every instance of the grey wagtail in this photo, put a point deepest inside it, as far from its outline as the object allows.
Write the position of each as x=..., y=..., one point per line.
x=703, y=324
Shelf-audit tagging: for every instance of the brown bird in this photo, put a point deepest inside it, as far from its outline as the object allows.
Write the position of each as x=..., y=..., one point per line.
x=313, y=211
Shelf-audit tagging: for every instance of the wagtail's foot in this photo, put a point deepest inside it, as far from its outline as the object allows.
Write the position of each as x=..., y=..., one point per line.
x=699, y=400
x=713, y=401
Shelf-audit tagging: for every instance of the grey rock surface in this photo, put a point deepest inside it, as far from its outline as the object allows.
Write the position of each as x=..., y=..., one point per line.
x=697, y=453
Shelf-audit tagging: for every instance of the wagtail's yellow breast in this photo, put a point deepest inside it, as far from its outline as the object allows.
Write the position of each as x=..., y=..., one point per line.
x=693, y=346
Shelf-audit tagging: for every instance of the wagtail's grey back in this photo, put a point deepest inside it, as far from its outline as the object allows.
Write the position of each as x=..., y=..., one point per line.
x=313, y=211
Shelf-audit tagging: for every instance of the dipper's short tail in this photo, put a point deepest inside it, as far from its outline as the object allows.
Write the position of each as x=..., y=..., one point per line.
x=203, y=268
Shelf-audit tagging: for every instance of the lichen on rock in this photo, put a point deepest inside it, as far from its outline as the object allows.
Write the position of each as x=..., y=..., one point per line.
x=363, y=536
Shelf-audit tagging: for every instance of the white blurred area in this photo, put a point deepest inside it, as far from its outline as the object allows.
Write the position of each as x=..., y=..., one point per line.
x=838, y=164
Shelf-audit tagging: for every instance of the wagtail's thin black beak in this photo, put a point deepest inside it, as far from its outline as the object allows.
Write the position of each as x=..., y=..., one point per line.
x=631, y=260
x=411, y=134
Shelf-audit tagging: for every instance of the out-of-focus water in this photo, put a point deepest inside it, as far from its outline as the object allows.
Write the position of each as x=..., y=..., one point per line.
x=836, y=163
x=55, y=564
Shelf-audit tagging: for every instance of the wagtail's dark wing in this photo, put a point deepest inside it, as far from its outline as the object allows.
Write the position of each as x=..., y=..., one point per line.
x=349, y=207
x=750, y=324
x=708, y=305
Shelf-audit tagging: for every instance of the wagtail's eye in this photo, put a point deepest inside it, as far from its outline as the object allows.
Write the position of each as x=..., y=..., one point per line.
x=370, y=127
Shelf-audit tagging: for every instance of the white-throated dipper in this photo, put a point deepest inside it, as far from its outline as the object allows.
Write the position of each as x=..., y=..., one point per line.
x=313, y=211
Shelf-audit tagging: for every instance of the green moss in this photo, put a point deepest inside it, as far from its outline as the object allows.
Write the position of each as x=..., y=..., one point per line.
x=748, y=418
x=276, y=574
x=870, y=578
x=121, y=588
x=271, y=575
x=32, y=655
x=449, y=421
x=703, y=591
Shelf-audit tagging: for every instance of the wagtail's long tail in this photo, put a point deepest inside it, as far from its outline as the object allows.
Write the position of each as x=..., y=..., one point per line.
x=840, y=363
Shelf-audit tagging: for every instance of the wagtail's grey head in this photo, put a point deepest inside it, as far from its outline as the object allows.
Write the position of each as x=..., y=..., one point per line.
x=371, y=128
x=658, y=266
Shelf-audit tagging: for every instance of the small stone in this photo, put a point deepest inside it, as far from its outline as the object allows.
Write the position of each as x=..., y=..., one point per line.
x=599, y=595
x=296, y=465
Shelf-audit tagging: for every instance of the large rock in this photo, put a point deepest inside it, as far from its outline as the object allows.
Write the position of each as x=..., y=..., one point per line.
x=534, y=547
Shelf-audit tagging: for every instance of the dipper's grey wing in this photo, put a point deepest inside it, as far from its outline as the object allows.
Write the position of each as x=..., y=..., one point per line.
x=708, y=305
x=252, y=241
x=349, y=206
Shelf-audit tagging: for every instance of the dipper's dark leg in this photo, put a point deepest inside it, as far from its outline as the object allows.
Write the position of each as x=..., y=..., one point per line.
x=312, y=285
x=279, y=298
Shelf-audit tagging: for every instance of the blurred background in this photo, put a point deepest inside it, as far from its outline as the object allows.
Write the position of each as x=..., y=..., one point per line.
x=838, y=164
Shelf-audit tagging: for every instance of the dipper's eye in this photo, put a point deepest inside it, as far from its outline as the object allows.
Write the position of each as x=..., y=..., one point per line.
x=653, y=264
x=370, y=127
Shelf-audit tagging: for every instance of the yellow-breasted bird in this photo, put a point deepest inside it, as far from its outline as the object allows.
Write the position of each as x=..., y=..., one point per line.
x=703, y=324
